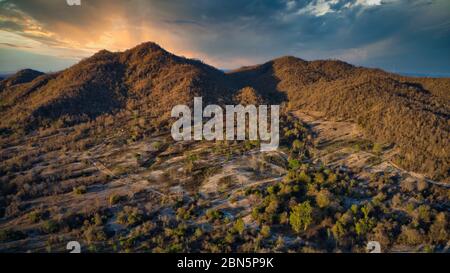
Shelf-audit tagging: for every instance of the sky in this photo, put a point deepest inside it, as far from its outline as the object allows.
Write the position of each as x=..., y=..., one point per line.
x=405, y=36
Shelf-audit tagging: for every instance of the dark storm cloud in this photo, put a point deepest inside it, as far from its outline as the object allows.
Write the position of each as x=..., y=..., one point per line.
x=397, y=35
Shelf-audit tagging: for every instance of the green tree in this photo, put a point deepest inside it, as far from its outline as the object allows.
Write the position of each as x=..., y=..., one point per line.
x=297, y=145
x=365, y=224
x=301, y=216
x=239, y=226
x=294, y=164
x=304, y=177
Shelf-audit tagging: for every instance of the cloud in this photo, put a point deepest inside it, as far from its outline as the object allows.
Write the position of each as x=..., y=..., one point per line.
x=290, y=4
x=368, y=2
x=13, y=45
x=227, y=34
x=318, y=7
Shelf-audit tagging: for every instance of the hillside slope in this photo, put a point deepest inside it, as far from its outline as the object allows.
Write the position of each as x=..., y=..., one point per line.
x=145, y=77
x=147, y=81
x=412, y=113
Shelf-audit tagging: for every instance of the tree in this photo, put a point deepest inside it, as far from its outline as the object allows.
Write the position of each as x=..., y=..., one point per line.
x=239, y=226
x=301, y=216
x=265, y=231
x=304, y=177
x=365, y=224
x=323, y=198
x=332, y=177
x=338, y=230
x=438, y=231
x=319, y=178
x=294, y=164
x=297, y=145
x=423, y=214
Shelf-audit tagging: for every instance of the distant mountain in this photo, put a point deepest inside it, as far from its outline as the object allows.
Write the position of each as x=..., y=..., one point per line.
x=424, y=75
x=22, y=76
x=412, y=113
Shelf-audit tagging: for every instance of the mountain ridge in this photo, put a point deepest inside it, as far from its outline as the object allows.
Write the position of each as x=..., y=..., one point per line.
x=413, y=113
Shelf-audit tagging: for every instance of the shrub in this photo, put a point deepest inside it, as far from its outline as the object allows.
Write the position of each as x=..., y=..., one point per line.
x=438, y=230
x=272, y=207
x=229, y=238
x=35, y=216
x=294, y=164
x=365, y=224
x=408, y=186
x=323, y=198
x=279, y=244
x=175, y=248
x=284, y=219
x=423, y=213
x=115, y=198
x=99, y=219
x=50, y=226
x=95, y=234
x=213, y=214
x=130, y=216
x=332, y=177
x=7, y=235
x=338, y=230
x=319, y=178
x=297, y=145
x=190, y=161
x=225, y=183
x=377, y=148
x=271, y=190
x=265, y=231
x=183, y=214
x=303, y=177
x=157, y=145
x=198, y=232
x=410, y=236
x=422, y=185
x=80, y=190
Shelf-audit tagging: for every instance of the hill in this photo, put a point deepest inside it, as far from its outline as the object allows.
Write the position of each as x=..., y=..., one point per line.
x=22, y=76
x=410, y=113
x=146, y=77
x=86, y=154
